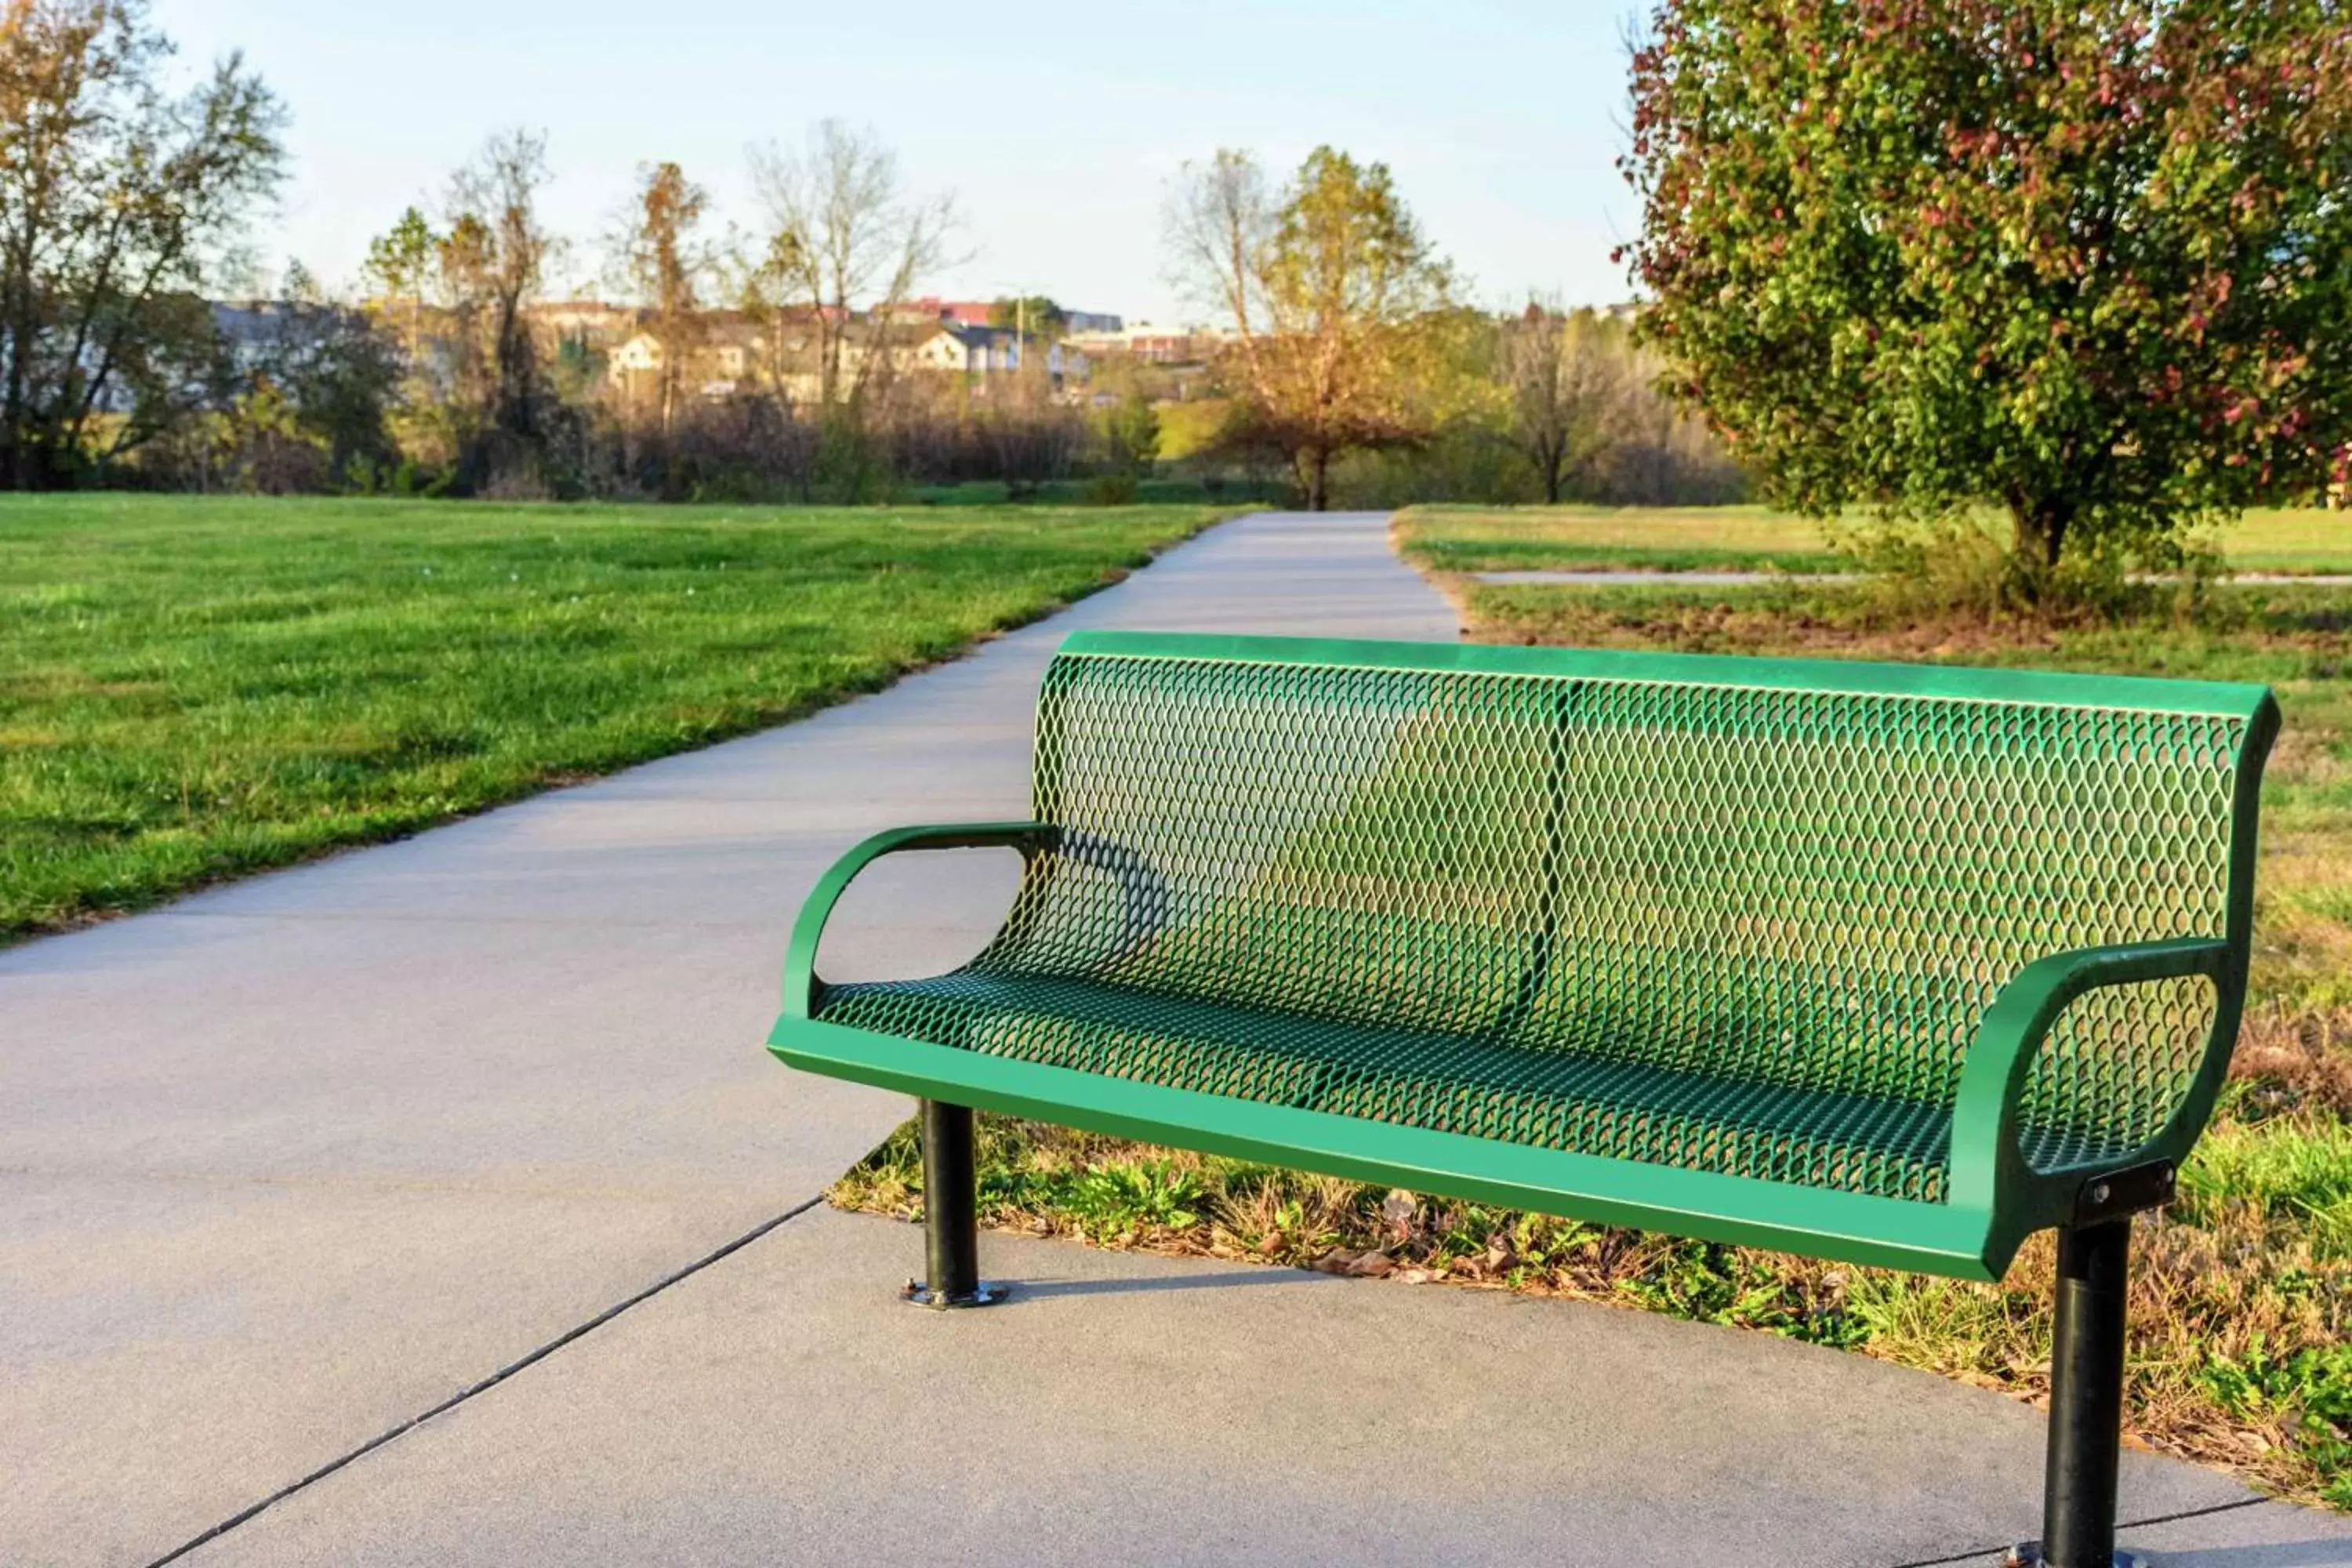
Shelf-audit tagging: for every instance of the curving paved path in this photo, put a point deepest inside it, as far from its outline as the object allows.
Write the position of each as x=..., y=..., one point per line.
x=285, y=1166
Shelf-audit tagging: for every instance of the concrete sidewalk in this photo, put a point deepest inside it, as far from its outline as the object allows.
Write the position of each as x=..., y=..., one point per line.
x=783, y=1409
x=289, y=1165
x=286, y=1164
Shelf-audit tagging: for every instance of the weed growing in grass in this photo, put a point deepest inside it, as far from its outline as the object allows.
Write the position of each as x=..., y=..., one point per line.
x=2293, y=1170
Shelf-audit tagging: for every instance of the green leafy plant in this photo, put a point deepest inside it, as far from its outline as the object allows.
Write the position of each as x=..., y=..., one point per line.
x=1121, y=1199
x=2082, y=261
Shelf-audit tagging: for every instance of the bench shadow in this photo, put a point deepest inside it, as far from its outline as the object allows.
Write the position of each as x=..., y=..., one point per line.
x=2285, y=1554
x=1025, y=1290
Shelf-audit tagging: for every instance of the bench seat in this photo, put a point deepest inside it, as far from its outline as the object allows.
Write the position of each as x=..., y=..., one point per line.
x=1617, y=1105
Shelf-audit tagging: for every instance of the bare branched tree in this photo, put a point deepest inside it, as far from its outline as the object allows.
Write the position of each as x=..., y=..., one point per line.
x=1220, y=221
x=122, y=205
x=843, y=237
x=1034, y=435
x=494, y=262
x=1566, y=383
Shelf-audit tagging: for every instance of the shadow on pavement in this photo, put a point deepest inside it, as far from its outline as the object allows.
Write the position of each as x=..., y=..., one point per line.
x=2285, y=1554
x=1023, y=1291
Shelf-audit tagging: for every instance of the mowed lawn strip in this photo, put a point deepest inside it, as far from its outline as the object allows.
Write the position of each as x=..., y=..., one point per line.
x=1453, y=538
x=1614, y=539
x=2296, y=638
x=193, y=688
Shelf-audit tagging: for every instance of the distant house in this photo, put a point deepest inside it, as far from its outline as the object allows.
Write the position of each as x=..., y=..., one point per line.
x=729, y=354
x=1000, y=350
x=942, y=349
x=640, y=356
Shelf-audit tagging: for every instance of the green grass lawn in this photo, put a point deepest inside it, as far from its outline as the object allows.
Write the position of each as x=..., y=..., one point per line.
x=1167, y=490
x=193, y=688
x=1759, y=539
x=1619, y=539
x=2242, y=1317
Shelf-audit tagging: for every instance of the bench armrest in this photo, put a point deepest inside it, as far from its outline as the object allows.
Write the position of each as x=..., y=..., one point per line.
x=801, y=987
x=1988, y=1168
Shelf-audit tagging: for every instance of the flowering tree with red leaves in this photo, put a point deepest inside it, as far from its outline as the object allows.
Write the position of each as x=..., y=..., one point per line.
x=2091, y=262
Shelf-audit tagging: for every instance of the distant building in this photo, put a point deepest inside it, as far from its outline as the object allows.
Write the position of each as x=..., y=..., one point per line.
x=1152, y=344
x=732, y=353
x=983, y=313
x=252, y=329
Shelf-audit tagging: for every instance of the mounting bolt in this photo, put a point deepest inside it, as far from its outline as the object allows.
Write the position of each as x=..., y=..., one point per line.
x=2101, y=1192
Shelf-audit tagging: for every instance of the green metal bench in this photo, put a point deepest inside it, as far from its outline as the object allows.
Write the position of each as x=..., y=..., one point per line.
x=1881, y=964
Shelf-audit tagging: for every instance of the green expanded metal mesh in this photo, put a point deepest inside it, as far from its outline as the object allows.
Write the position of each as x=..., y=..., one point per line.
x=1741, y=930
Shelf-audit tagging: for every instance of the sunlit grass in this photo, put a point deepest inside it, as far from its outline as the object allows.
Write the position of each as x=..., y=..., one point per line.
x=1605, y=539
x=1759, y=539
x=192, y=687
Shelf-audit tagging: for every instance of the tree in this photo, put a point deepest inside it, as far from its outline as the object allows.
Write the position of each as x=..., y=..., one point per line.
x=843, y=237
x=492, y=263
x=1563, y=375
x=122, y=205
x=1129, y=430
x=663, y=262
x=318, y=381
x=399, y=265
x=1331, y=289
x=2091, y=262
x=1033, y=315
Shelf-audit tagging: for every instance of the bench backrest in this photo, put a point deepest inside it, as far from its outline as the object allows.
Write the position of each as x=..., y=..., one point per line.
x=1807, y=874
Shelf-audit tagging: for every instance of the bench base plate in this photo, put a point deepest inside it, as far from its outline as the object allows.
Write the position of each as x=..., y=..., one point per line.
x=987, y=1293
x=2028, y=1554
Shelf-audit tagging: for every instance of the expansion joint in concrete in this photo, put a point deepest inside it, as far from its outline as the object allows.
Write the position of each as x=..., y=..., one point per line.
x=486, y=1384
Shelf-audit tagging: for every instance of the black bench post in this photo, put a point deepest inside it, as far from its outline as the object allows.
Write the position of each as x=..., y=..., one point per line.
x=2086, y=1398
x=950, y=1211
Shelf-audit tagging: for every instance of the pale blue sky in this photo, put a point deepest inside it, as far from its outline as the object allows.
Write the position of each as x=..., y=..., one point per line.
x=1056, y=125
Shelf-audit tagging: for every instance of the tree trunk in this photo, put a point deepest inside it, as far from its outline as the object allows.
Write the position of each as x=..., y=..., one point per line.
x=2040, y=531
x=1318, y=480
